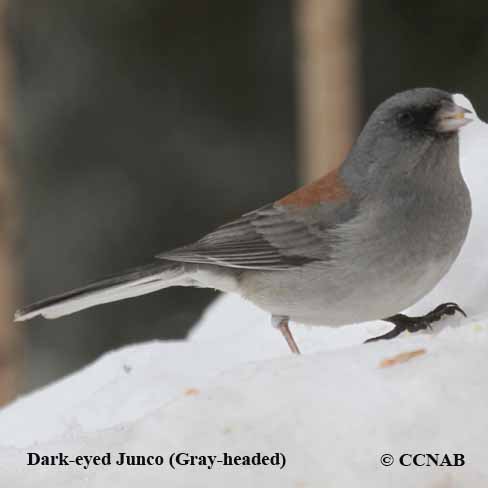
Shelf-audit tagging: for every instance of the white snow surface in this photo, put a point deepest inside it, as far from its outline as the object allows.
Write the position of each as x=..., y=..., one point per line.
x=233, y=387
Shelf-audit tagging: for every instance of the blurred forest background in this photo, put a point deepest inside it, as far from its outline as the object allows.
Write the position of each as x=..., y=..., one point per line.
x=133, y=126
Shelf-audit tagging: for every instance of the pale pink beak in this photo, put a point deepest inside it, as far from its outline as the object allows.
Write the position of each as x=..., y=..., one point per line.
x=452, y=118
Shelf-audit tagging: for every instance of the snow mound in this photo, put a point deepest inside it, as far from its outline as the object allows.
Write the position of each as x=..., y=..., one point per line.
x=234, y=388
x=332, y=414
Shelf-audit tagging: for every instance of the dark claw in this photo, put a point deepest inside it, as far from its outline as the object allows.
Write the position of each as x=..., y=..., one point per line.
x=389, y=335
x=414, y=324
x=449, y=308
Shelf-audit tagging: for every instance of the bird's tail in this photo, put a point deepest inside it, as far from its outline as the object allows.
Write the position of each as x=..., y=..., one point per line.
x=132, y=283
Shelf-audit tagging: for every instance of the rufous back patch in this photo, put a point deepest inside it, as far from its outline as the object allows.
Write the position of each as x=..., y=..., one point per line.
x=328, y=188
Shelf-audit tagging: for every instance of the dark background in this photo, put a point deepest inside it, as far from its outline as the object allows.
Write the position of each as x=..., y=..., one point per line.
x=141, y=125
x=443, y=44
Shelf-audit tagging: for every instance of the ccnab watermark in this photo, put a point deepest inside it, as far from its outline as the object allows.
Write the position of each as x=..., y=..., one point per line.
x=423, y=459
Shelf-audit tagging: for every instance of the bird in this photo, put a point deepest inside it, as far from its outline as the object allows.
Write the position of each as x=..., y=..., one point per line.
x=363, y=242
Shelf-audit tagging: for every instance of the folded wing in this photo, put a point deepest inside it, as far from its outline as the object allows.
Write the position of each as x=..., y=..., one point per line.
x=273, y=237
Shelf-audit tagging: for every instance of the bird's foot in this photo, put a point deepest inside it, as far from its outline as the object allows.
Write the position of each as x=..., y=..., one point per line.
x=414, y=324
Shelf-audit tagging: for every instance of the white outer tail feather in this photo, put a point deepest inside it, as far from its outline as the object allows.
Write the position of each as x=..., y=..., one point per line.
x=148, y=284
x=156, y=277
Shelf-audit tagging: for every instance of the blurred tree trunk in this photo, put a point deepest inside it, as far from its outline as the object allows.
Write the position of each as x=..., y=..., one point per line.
x=9, y=334
x=327, y=83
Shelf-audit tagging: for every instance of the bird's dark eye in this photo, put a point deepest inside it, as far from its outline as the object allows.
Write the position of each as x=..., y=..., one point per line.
x=405, y=118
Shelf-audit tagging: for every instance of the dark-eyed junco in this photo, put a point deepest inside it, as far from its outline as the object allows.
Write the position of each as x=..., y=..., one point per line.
x=364, y=242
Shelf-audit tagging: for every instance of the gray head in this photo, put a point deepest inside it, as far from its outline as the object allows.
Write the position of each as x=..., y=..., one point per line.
x=409, y=135
x=418, y=113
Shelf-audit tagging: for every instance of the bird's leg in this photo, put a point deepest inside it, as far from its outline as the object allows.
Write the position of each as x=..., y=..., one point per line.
x=414, y=324
x=281, y=323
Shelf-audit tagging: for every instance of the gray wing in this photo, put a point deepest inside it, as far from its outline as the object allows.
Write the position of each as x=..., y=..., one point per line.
x=270, y=238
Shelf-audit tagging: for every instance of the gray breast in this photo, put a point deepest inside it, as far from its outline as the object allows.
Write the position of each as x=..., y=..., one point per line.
x=406, y=232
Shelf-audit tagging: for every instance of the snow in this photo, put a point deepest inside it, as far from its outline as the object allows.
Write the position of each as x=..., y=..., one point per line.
x=233, y=387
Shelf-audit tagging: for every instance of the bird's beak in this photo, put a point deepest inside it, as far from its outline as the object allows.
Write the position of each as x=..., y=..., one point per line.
x=452, y=118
